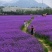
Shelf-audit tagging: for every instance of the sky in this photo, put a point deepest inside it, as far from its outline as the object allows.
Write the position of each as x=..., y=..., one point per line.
x=47, y=2
x=8, y=1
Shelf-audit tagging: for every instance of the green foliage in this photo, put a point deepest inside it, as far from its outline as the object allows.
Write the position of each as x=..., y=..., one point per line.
x=1, y=10
x=22, y=27
x=46, y=50
x=20, y=12
x=45, y=39
x=28, y=12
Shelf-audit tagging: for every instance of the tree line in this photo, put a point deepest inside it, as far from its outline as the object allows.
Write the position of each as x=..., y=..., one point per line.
x=27, y=12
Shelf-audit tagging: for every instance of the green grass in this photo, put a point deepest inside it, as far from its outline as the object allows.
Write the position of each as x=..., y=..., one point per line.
x=46, y=50
x=22, y=27
x=45, y=40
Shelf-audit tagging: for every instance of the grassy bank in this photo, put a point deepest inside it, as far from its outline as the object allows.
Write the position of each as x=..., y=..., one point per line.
x=45, y=41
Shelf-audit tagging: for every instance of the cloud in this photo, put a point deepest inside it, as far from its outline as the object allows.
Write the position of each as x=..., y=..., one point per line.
x=8, y=1
x=47, y=2
x=5, y=2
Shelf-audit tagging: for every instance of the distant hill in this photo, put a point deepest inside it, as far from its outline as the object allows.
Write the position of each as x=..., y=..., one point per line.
x=26, y=3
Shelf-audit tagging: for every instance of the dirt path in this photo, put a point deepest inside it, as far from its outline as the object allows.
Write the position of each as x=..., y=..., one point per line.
x=45, y=45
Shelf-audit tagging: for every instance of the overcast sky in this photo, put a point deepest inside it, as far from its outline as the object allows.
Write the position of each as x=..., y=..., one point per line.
x=48, y=2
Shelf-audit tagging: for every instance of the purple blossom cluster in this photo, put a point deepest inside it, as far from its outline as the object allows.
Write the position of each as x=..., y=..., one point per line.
x=43, y=25
x=12, y=39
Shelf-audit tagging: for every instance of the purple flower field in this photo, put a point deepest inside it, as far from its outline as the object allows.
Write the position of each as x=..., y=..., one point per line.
x=12, y=39
x=43, y=25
